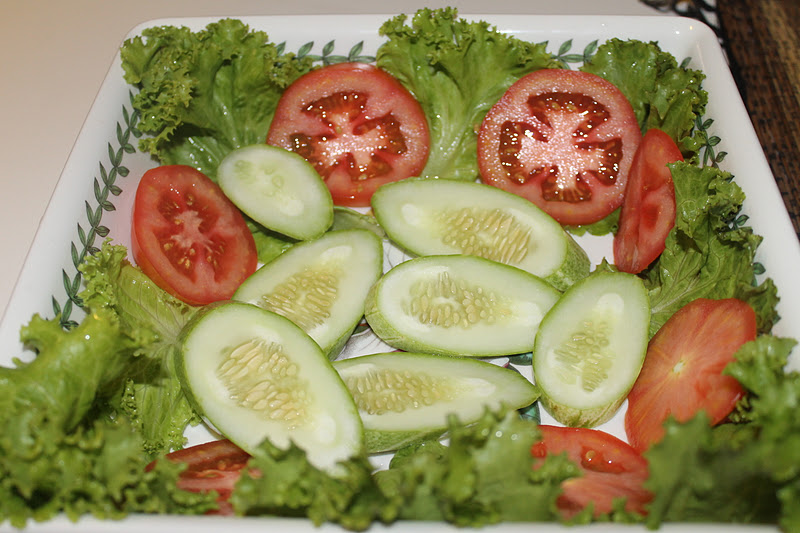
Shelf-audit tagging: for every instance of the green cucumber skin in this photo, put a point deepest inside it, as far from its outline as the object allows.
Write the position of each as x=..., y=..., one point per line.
x=574, y=264
x=563, y=318
x=499, y=344
x=575, y=267
x=331, y=399
x=301, y=185
x=474, y=386
x=369, y=256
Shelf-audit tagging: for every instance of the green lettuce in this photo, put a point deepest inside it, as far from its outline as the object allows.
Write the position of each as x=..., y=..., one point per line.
x=62, y=449
x=484, y=476
x=663, y=94
x=150, y=392
x=203, y=94
x=457, y=70
x=708, y=254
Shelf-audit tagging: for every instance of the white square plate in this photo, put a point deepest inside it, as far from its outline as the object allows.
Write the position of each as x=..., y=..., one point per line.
x=93, y=197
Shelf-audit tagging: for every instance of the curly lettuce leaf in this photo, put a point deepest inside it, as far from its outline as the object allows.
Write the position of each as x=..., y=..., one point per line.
x=456, y=69
x=203, y=94
x=61, y=448
x=707, y=255
x=283, y=482
x=483, y=476
x=663, y=94
x=150, y=392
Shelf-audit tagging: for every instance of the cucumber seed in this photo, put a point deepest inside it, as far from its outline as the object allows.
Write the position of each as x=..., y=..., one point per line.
x=489, y=233
x=259, y=376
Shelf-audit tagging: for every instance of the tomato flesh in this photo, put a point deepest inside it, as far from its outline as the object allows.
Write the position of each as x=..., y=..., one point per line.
x=562, y=139
x=212, y=466
x=682, y=372
x=357, y=125
x=648, y=209
x=611, y=469
x=188, y=237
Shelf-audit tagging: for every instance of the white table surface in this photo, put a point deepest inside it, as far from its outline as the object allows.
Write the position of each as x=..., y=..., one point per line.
x=55, y=54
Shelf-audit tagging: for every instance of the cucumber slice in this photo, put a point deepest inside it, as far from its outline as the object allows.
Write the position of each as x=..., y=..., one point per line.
x=590, y=348
x=278, y=189
x=458, y=305
x=320, y=285
x=254, y=375
x=405, y=398
x=437, y=217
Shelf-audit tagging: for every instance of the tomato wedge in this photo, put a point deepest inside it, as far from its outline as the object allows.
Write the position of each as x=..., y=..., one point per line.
x=611, y=470
x=213, y=466
x=357, y=125
x=188, y=237
x=648, y=209
x=682, y=372
x=564, y=140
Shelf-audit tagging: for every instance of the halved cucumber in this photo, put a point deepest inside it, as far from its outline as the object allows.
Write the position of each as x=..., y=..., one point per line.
x=254, y=375
x=320, y=285
x=278, y=189
x=404, y=398
x=458, y=305
x=590, y=348
x=436, y=217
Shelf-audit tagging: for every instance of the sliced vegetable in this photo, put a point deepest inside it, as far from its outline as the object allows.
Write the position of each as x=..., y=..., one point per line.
x=278, y=189
x=590, y=348
x=435, y=217
x=648, y=210
x=254, y=375
x=458, y=305
x=564, y=140
x=320, y=285
x=356, y=124
x=405, y=398
x=212, y=466
x=683, y=371
x=611, y=470
x=188, y=237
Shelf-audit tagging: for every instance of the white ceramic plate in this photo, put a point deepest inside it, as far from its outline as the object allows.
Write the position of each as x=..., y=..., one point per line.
x=93, y=197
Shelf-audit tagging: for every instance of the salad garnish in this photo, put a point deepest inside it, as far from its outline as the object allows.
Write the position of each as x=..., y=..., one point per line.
x=88, y=423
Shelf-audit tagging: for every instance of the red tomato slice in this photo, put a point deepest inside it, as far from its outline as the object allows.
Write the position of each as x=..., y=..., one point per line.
x=611, y=470
x=213, y=466
x=188, y=237
x=564, y=140
x=357, y=125
x=682, y=372
x=648, y=209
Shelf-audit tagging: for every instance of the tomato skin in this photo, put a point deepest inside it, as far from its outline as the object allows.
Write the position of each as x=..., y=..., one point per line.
x=212, y=466
x=357, y=125
x=682, y=372
x=564, y=140
x=648, y=209
x=188, y=238
x=611, y=470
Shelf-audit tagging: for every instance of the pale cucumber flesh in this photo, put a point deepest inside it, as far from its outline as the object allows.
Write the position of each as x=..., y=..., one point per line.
x=405, y=397
x=458, y=305
x=278, y=189
x=254, y=375
x=320, y=285
x=590, y=348
x=436, y=217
